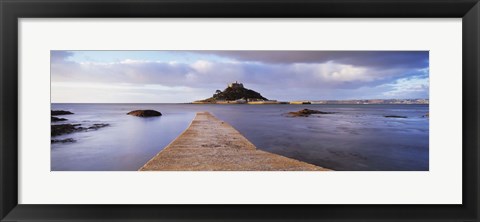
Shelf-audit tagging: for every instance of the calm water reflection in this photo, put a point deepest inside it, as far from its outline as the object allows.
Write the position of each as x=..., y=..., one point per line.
x=357, y=137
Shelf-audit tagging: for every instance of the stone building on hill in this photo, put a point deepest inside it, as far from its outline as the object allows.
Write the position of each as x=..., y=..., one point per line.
x=235, y=85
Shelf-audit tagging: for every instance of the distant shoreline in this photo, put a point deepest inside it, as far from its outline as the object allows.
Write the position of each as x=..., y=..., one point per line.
x=191, y=103
x=295, y=102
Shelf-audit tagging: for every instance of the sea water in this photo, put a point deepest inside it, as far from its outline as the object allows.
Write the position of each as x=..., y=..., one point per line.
x=354, y=138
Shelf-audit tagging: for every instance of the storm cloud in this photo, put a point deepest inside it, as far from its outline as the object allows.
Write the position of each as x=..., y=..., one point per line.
x=383, y=59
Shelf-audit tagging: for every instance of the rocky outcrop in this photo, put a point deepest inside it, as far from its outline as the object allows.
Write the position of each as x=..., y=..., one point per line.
x=69, y=140
x=394, y=116
x=144, y=113
x=60, y=112
x=57, y=119
x=307, y=112
x=97, y=126
x=62, y=129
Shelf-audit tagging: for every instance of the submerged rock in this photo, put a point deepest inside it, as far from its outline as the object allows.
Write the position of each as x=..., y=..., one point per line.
x=69, y=140
x=144, y=113
x=98, y=126
x=61, y=129
x=307, y=112
x=65, y=129
x=56, y=119
x=393, y=116
x=60, y=112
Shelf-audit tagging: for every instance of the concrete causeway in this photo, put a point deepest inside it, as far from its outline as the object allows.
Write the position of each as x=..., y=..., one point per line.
x=210, y=144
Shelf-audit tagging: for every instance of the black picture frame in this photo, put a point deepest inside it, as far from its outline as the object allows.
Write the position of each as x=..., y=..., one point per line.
x=12, y=10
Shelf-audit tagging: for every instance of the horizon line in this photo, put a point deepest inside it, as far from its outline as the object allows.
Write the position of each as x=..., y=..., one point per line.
x=270, y=100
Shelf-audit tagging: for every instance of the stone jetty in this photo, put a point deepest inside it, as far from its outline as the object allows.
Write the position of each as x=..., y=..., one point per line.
x=210, y=144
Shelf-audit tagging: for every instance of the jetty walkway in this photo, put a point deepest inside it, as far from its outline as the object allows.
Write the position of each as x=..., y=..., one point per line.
x=210, y=144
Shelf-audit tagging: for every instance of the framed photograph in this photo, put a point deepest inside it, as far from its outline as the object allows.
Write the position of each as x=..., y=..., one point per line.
x=239, y=110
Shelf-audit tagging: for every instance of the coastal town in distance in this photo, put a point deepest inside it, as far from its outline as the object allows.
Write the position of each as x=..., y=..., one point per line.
x=239, y=110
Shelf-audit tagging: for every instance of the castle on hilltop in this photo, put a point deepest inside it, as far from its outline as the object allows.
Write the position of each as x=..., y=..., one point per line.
x=235, y=85
x=236, y=93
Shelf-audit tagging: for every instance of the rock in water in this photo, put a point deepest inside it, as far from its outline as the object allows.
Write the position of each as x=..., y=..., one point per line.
x=56, y=119
x=144, y=113
x=65, y=129
x=69, y=140
x=393, y=116
x=98, y=126
x=308, y=112
x=61, y=129
x=60, y=112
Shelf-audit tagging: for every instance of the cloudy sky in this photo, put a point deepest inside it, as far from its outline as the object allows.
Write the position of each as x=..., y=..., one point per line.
x=185, y=76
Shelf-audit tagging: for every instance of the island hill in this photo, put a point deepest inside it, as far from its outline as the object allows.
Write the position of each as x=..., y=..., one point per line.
x=235, y=93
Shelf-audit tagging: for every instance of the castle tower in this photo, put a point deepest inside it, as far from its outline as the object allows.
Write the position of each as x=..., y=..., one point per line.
x=235, y=85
